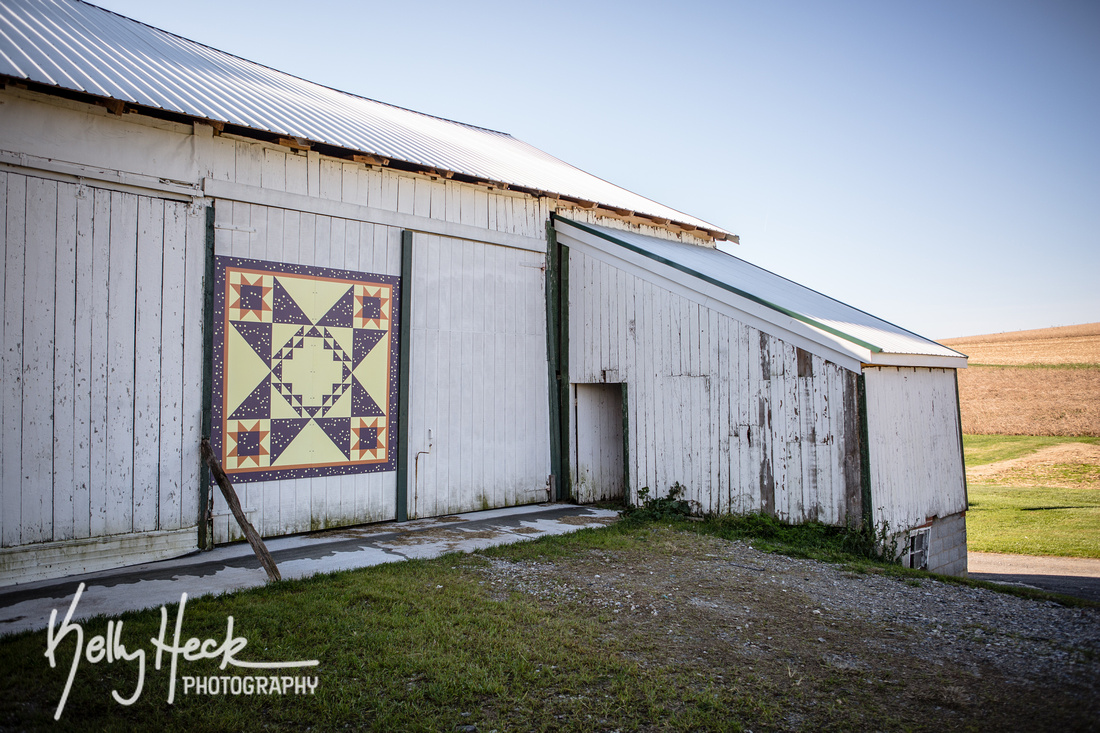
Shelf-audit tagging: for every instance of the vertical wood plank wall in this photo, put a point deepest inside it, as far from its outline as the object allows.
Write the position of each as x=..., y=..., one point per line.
x=745, y=421
x=913, y=439
x=279, y=235
x=102, y=342
x=92, y=328
x=102, y=299
x=478, y=372
x=478, y=378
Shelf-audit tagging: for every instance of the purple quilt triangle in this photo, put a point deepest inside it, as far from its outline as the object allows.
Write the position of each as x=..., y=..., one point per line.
x=284, y=309
x=257, y=404
x=339, y=314
x=311, y=410
x=312, y=333
x=338, y=430
x=363, y=342
x=283, y=432
x=362, y=404
x=258, y=336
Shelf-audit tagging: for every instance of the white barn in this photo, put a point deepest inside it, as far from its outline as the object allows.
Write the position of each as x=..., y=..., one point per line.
x=377, y=315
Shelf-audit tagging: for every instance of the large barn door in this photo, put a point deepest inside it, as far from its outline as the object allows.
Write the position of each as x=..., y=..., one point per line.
x=597, y=455
x=101, y=371
x=479, y=434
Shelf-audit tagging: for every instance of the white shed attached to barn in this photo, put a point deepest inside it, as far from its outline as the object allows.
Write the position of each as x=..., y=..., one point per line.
x=752, y=391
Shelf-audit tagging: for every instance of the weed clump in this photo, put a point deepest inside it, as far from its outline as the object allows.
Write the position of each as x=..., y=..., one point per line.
x=659, y=507
x=809, y=539
x=813, y=540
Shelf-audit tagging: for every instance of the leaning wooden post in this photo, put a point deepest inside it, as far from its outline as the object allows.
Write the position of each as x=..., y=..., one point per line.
x=234, y=503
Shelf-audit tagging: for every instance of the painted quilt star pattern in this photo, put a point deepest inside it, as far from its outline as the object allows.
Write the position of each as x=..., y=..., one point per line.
x=305, y=370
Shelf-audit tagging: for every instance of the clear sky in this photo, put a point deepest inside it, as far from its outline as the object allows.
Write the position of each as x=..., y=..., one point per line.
x=934, y=163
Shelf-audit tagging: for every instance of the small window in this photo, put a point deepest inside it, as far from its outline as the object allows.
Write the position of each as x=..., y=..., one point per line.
x=916, y=555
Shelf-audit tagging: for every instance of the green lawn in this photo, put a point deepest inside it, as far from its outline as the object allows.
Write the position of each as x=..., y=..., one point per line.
x=981, y=449
x=411, y=646
x=1034, y=521
x=1015, y=513
x=437, y=645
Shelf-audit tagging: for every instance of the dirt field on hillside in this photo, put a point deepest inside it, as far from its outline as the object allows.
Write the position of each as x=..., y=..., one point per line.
x=1007, y=401
x=1047, y=381
x=1063, y=345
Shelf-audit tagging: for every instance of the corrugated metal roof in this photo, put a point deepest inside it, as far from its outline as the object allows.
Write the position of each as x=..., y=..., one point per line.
x=777, y=293
x=77, y=46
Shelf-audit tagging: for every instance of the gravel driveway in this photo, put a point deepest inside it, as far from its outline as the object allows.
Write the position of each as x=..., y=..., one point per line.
x=909, y=653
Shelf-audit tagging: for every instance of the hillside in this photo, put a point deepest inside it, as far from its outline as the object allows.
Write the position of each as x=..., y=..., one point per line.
x=1038, y=382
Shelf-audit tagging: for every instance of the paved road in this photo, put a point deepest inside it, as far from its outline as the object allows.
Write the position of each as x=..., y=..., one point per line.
x=1073, y=576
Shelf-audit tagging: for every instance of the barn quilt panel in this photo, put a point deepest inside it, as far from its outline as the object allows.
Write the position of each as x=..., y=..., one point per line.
x=305, y=370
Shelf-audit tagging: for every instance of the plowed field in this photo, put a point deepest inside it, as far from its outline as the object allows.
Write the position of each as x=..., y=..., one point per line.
x=1039, y=382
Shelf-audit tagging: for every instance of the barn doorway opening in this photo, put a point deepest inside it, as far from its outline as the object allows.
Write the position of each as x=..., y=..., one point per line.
x=597, y=455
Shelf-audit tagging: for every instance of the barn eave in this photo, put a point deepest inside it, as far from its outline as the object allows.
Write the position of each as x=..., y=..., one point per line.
x=810, y=320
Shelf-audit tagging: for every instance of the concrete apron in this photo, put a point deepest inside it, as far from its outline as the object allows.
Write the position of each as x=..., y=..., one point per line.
x=233, y=567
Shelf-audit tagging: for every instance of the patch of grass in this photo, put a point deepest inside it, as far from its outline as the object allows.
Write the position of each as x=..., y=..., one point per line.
x=411, y=646
x=812, y=540
x=1049, y=475
x=434, y=645
x=979, y=450
x=1034, y=520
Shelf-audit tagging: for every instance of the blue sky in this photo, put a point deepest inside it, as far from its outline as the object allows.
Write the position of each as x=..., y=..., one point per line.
x=934, y=163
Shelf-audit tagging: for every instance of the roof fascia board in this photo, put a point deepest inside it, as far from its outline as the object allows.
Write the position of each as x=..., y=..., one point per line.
x=244, y=193
x=710, y=296
x=917, y=360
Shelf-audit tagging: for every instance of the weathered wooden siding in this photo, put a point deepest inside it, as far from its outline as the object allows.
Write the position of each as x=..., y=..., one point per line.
x=268, y=233
x=478, y=366
x=276, y=204
x=101, y=364
x=916, y=465
x=478, y=378
x=745, y=421
x=637, y=225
